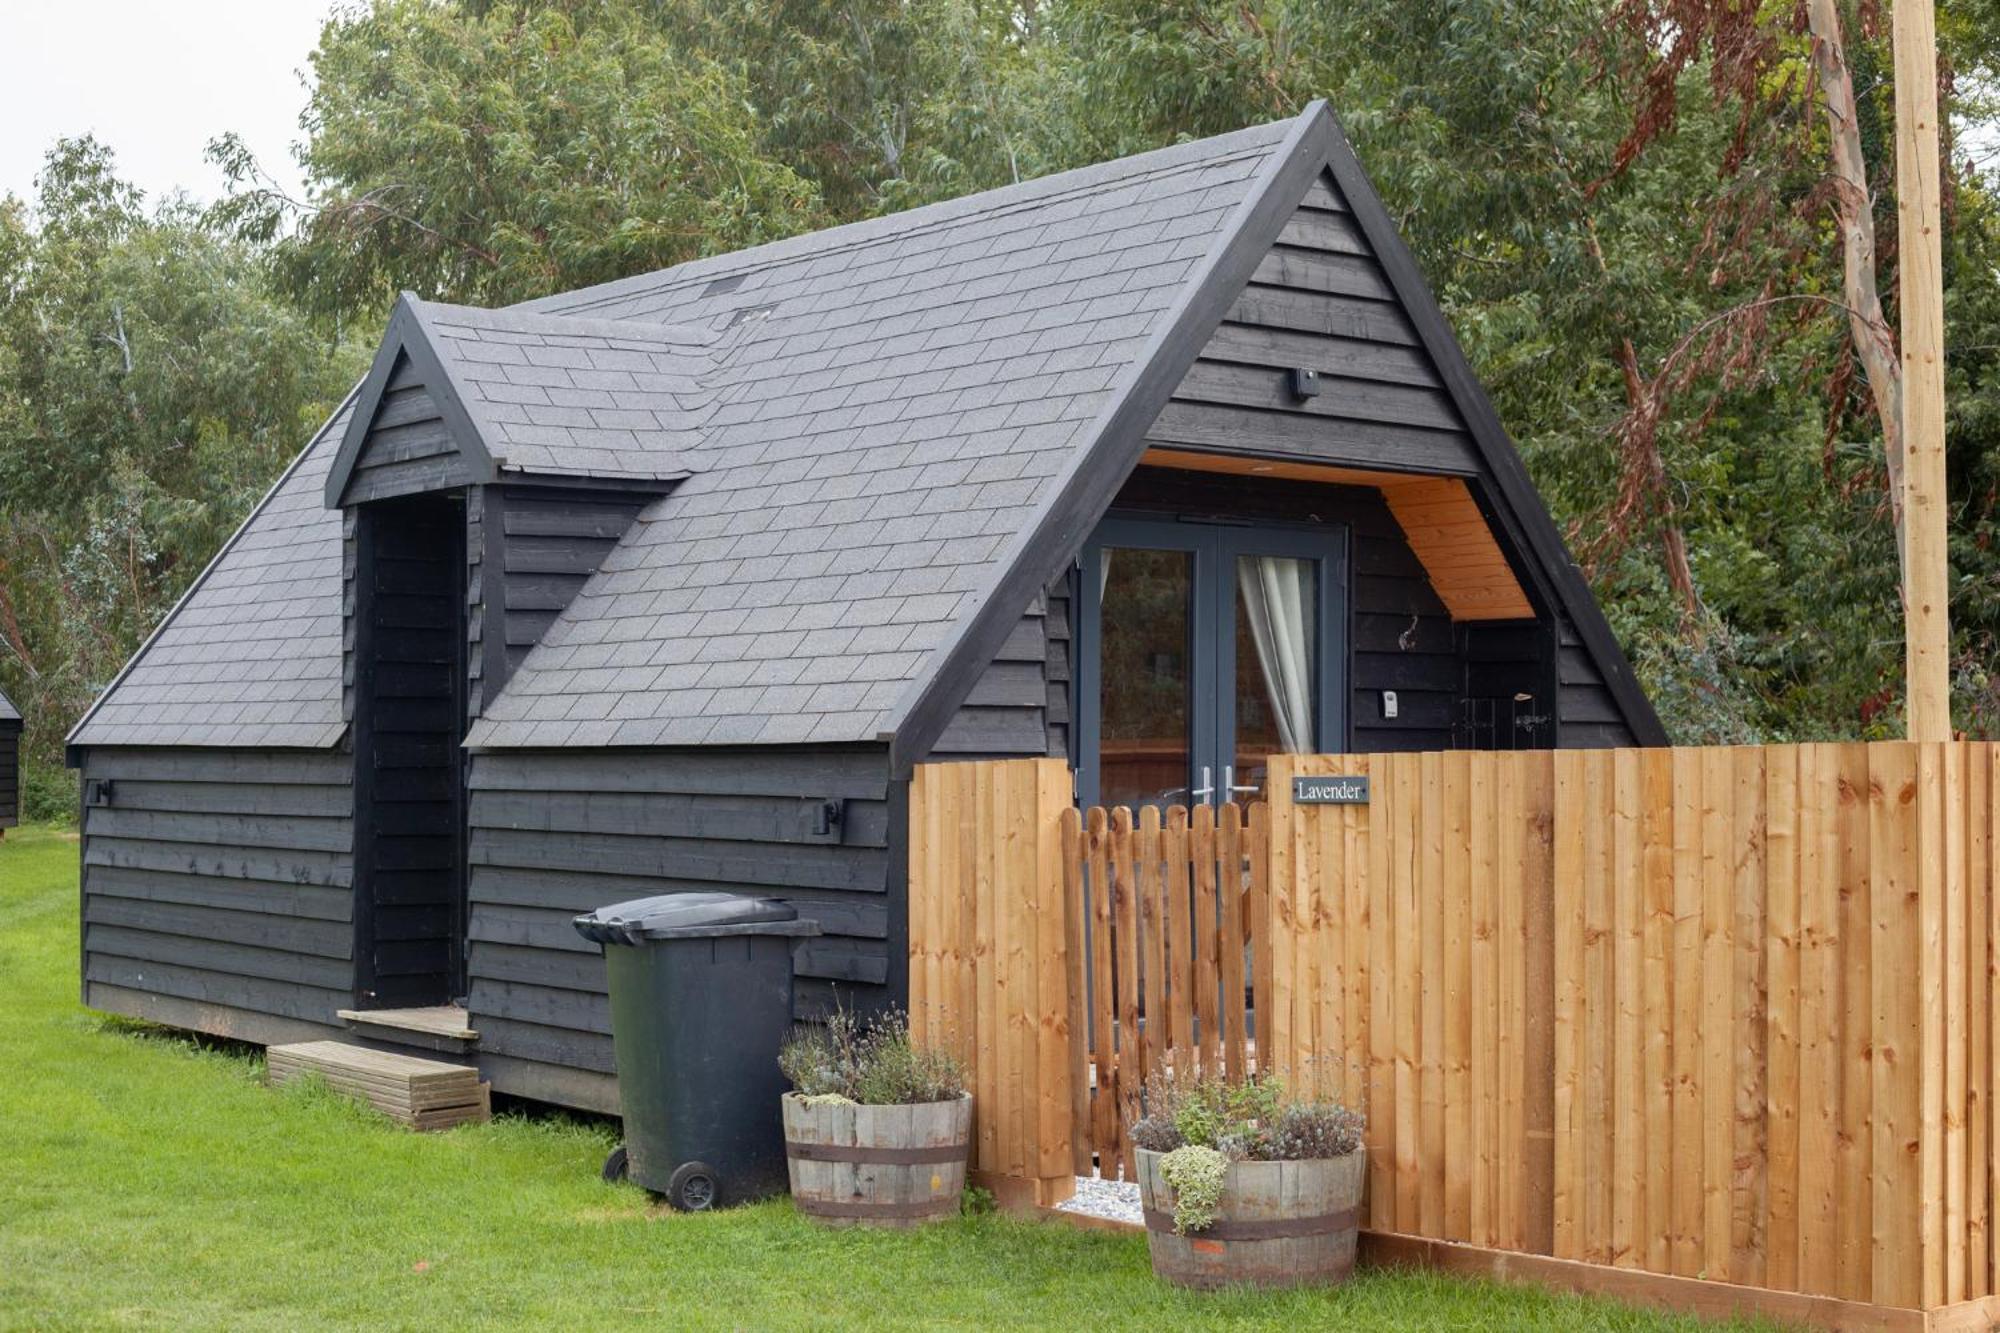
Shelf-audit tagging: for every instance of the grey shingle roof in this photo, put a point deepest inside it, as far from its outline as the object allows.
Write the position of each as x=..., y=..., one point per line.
x=8, y=713
x=911, y=391
x=871, y=414
x=576, y=397
x=251, y=655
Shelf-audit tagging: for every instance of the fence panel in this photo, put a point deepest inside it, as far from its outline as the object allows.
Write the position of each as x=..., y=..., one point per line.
x=1722, y=1012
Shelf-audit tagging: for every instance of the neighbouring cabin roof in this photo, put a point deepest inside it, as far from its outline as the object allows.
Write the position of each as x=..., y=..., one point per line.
x=8, y=713
x=880, y=439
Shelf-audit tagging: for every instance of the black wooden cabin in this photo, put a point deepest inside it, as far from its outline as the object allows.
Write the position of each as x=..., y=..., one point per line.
x=10, y=763
x=1159, y=466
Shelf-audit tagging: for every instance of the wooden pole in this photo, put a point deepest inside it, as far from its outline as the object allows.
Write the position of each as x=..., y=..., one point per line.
x=1926, y=591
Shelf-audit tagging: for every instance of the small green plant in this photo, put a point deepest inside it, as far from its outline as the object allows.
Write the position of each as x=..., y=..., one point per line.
x=1195, y=1174
x=977, y=1202
x=871, y=1061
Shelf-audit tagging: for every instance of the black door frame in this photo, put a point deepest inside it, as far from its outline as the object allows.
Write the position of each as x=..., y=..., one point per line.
x=1214, y=548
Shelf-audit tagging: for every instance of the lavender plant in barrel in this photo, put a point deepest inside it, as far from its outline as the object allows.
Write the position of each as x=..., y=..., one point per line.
x=1244, y=1183
x=877, y=1126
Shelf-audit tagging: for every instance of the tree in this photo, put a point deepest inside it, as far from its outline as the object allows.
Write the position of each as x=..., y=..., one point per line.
x=151, y=387
x=495, y=153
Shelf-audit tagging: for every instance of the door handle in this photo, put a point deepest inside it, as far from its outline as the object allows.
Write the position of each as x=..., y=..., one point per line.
x=1207, y=787
x=1230, y=784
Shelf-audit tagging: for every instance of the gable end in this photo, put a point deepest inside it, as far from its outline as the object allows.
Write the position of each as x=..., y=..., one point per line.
x=408, y=447
x=410, y=432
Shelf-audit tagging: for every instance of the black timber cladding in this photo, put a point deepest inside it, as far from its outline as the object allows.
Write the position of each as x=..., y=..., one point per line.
x=1314, y=269
x=1591, y=717
x=1319, y=300
x=1523, y=516
x=10, y=772
x=408, y=719
x=219, y=877
x=409, y=447
x=541, y=545
x=556, y=833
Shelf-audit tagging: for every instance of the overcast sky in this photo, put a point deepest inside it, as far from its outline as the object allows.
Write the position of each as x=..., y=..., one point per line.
x=156, y=80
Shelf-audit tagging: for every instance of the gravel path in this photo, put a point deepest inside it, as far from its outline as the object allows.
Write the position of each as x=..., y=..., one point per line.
x=1117, y=1200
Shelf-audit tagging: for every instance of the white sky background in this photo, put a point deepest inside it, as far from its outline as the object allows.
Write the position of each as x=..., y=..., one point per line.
x=156, y=80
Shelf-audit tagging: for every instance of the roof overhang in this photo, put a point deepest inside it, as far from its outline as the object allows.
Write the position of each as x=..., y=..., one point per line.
x=1441, y=519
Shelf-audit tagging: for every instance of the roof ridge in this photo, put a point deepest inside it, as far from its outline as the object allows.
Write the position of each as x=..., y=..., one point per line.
x=1038, y=192
x=521, y=319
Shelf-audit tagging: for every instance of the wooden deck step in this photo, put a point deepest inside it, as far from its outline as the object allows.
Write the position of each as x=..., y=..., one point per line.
x=424, y=1094
x=441, y=1027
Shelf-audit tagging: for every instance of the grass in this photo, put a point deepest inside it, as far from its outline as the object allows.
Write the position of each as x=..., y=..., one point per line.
x=147, y=1180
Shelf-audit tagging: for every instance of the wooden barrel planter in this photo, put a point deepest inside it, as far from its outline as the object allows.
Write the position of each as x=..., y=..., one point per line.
x=887, y=1166
x=1279, y=1224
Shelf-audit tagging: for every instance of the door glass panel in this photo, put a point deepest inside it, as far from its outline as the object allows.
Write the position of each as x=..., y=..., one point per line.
x=1145, y=680
x=1277, y=662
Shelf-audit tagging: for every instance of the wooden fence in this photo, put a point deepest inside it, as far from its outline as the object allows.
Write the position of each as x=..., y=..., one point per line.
x=1720, y=1012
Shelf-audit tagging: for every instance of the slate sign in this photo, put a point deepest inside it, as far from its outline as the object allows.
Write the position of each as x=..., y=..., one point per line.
x=1330, y=791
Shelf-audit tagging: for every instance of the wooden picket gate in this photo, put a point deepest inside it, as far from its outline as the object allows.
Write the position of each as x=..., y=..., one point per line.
x=1717, y=1015
x=1157, y=910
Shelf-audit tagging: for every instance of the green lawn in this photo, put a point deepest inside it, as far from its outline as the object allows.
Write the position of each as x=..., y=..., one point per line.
x=147, y=1181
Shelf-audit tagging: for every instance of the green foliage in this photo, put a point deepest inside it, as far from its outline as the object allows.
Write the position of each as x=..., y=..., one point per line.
x=1196, y=1175
x=872, y=1061
x=494, y=153
x=1245, y=1119
x=151, y=387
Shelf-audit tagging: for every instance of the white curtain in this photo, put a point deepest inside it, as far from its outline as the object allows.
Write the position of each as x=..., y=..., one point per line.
x=1278, y=601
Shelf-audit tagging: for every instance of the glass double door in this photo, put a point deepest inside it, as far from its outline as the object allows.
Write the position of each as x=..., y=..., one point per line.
x=1204, y=649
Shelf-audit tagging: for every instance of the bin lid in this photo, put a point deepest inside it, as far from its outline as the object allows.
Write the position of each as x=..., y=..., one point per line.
x=683, y=916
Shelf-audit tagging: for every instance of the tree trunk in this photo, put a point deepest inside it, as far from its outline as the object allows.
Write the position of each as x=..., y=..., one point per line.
x=1874, y=341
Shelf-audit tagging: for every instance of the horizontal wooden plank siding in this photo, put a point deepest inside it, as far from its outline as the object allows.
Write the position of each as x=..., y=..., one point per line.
x=557, y=833
x=544, y=543
x=1320, y=301
x=1589, y=717
x=220, y=878
x=10, y=773
x=409, y=449
x=1018, y=707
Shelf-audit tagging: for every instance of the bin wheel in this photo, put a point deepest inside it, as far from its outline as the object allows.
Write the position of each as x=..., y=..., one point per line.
x=616, y=1166
x=692, y=1188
